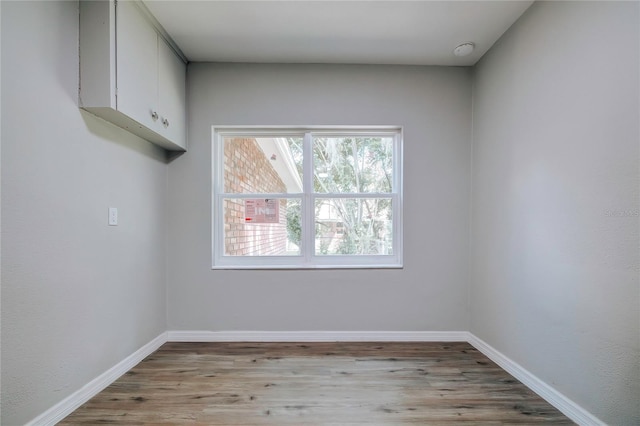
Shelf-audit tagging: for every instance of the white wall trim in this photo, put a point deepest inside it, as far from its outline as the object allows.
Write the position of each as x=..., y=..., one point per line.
x=317, y=336
x=65, y=407
x=568, y=407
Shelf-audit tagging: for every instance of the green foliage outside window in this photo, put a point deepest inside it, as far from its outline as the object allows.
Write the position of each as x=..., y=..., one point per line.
x=357, y=165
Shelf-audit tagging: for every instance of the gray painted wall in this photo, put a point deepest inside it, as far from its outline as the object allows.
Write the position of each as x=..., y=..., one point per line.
x=555, y=273
x=77, y=296
x=430, y=293
x=555, y=269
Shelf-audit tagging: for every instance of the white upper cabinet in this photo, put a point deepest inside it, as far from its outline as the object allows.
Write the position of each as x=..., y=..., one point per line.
x=172, y=104
x=129, y=74
x=136, y=64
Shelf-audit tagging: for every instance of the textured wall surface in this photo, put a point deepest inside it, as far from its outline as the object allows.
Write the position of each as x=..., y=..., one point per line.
x=555, y=275
x=78, y=296
x=555, y=201
x=430, y=293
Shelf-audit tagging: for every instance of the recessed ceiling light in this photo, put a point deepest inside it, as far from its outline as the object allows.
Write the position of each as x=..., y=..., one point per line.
x=464, y=49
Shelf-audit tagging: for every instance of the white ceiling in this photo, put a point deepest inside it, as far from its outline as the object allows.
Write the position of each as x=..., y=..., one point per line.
x=330, y=31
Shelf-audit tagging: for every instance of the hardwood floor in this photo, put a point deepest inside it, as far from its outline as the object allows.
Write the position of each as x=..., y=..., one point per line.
x=316, y=384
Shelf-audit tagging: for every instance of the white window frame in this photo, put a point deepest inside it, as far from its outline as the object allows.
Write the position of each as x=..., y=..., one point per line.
x=307, y=258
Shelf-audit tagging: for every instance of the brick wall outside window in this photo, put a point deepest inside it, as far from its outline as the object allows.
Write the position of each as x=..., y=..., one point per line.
x=248, y=169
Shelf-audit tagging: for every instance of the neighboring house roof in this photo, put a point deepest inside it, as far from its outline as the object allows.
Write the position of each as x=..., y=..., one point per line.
x=277, y=150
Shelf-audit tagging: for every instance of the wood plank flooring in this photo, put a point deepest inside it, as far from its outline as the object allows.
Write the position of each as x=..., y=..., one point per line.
x=316, y=384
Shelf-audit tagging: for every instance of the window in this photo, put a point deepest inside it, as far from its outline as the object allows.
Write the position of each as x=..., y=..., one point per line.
x=307, y=198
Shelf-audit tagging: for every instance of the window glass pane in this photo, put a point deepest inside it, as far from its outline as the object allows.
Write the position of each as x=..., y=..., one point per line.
x=262, y=165
x=352, y=164
x=353, y=226
x=262, y=227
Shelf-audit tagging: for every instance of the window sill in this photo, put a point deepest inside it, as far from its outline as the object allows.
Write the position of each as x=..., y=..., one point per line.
x=306, y=267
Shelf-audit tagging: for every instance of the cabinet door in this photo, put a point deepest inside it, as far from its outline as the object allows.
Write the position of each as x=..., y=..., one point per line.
x=171, y=93
x=137, y=65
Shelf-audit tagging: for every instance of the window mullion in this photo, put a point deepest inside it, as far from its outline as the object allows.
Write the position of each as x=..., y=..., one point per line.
x=397, y=199
x=217, y=228
x=219, y=225
x=308, y=210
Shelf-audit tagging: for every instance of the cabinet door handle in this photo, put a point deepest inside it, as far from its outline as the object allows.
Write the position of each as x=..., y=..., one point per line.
x=165, y=122
x=154, y=116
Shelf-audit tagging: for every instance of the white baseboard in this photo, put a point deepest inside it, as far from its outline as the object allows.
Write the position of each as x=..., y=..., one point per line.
x=555, y=398
x=568, y=407
x=65, y=407
x=317, y=336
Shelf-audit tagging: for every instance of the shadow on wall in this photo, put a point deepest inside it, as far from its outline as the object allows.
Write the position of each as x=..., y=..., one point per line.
x=116, y=135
